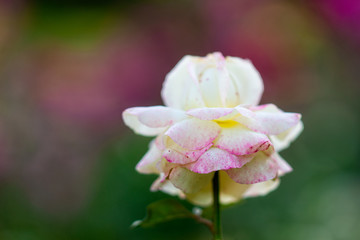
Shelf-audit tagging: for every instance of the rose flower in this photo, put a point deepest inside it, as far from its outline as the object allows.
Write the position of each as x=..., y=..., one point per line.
x=212, y=122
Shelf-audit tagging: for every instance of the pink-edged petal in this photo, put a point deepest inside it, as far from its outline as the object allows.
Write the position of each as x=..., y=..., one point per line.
x=262, y=188
x=261, y=168
x=283, y=166
x=156, y=185
x=183, y=156
x=167, y=187
x=193, y=134
x=245, y=112
x=188, y=181
x=246, y=80
x=131, y=119
x=239, y=140
x=267, y=119
x=165, y=167
x=181, y=87
x=160, y=116
x=148, y=163
x=276, y=123
x=284, y=139
x=210, y=113
x=217, y=159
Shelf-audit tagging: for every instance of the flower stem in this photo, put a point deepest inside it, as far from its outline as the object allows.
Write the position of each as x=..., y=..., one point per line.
x=216, y=207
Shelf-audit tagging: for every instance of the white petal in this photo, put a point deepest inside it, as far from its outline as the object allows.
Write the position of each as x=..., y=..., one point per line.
x=167, y=187
x=188, y=181
x=283, y=166
x=246, y=79
x=193, y=134
x=160, y=116
x=264, y=120
x=262, y=188
x=148, y=163
x=284, y=139
x=131, y=119
x=210, y=81
x=181, y=87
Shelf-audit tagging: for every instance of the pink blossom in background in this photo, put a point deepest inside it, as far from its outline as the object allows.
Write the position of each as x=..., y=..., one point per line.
x=342, y=15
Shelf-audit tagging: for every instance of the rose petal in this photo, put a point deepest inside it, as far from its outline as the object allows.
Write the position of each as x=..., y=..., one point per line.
x=188, y=181
x=160, y=116
x=193, y=134
x=130, y=117
x=262, y=188
x=239, y=140
x=210, y=80
x=283, y=166
x=261, y=168
x=230, y=192
x=176, y=92
x=210, y=113
x=165, y=167
x=176, y=154
x=167, y=187
x=284, y=139
x=246, y=79
x=148, y=163
x=217, y=159
x=268, y=122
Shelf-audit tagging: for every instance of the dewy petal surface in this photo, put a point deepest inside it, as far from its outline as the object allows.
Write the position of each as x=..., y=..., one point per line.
x=131, y=119
x=188, y=181
x=261, y=168
x=240, y=140
x=217, y=159
x=193, y=134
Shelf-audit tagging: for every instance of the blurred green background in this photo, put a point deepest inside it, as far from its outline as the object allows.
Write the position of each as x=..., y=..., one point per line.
x=69, y=68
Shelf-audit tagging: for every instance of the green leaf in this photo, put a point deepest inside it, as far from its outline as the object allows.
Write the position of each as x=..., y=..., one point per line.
x=166, y=210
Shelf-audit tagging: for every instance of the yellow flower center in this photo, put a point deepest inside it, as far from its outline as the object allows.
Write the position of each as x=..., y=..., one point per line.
x=226, y=123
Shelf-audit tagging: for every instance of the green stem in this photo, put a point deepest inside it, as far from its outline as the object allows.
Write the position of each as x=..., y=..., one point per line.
x=216, y=208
